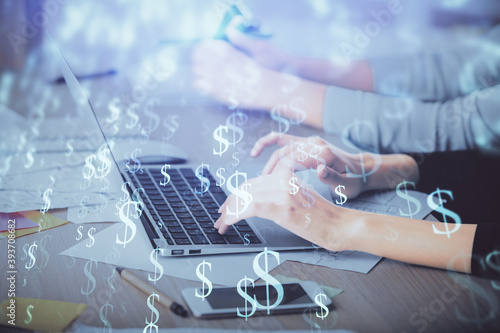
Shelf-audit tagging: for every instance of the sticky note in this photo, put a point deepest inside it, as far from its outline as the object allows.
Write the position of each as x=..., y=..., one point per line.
x=39, y=314
x=43, y=222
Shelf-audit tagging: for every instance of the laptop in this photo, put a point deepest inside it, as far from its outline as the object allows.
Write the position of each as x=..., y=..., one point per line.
x=178, y=220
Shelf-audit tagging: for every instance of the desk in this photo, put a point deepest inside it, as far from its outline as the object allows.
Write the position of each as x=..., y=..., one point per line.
x=388, y=299
x=393, y=297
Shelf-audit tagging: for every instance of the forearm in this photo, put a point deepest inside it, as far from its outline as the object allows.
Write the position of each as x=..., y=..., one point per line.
x=409, y=240
x=356, y=75
x=296, y=98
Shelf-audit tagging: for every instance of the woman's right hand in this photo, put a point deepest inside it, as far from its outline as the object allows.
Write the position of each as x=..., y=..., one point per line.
x=263, y=51
x=335, y=166
x=331, y=162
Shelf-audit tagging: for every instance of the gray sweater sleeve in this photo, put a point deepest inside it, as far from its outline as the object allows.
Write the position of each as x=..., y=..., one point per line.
x=442, y=75
x=395, y=124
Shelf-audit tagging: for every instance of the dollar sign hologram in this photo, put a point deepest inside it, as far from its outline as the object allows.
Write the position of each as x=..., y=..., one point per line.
x=153, y=257
x=204, y=280
x=28, y=312
x=343, y=197
x=29, y=265
x=221, y=139
x=90, y=278
x=155, y=315
x=408, y=199
x=244, y=198
x=166, y=176
x=270, y=280
x=319, y=302
x=446, y=212
x=248, y=298
x=124, y=214
x=204, y=181
x=295, y=188
x=103, y=315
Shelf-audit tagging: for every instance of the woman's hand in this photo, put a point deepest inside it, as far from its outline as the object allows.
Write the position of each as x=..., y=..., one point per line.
x=263, y=51
x=232, y=77
x=272, y=198
x=334, y=166
x=331, y=163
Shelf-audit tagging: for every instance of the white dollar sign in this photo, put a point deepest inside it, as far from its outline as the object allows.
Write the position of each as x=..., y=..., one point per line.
x=303, y=154
x=264, y=275
x=80, y=235
x=248, y=298
x=154, y=261
x=166, y=176
x=32, y=261
x=124, y=217
x=244, y=198
x=221, y=177
x=343, y=197
x=283, y=123
x=204, y=181
x=222, y=140
x=91, y=239
x=444, y=211
x=324, y=309
x=295, y=189
x=204, y=280
x=154, y=314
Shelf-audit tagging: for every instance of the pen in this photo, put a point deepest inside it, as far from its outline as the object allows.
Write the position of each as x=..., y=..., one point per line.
x=148, y=289
x=60, y=80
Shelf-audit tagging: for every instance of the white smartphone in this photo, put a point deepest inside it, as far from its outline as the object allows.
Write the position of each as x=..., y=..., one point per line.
x=227, y=301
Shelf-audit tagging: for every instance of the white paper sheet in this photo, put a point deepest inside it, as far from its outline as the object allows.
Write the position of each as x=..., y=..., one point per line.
x=94, y=213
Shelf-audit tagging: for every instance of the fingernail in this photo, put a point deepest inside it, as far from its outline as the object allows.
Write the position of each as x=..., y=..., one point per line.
x=324, y=173
x=253, y=152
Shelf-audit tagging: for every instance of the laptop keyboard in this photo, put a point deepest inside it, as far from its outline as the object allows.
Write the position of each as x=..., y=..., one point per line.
x=185, y=217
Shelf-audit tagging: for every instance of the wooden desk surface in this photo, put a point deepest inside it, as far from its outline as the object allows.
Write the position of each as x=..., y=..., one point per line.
x=393, y=297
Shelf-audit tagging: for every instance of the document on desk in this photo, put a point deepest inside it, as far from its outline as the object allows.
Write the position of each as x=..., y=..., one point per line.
x=82, y=328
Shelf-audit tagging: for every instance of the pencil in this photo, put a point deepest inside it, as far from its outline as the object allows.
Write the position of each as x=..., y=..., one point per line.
x=146, y=288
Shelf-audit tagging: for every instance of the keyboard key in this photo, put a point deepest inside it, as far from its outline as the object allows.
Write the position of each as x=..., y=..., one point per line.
x=199, y=240
x=191, y=226
x=243, y=228
x=171, y=224
x=210, y=230
x=175, y=229
x=185, y=220
x=178, y=235
x=231, y=232
x=183, y=215
x=181, y=210
x=170, y=241
x=206, y=224
x=220, y=197
x=187, y=172
x=216, y=239
x=200, y=214
x=215, y=216
x=182, y=241
x=234, y=240
x=194, y=232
